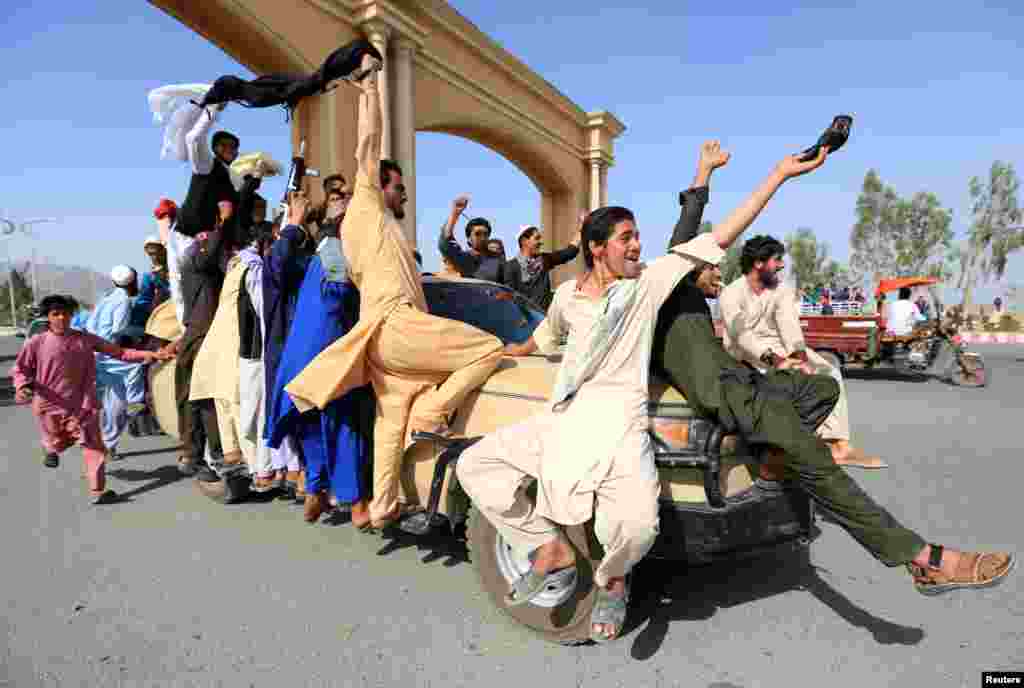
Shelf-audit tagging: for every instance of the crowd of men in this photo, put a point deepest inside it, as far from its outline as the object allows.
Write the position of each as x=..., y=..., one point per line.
x=307, y=360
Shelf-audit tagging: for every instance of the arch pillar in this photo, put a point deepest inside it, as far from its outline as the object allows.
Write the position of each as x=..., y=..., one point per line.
x=403, y=127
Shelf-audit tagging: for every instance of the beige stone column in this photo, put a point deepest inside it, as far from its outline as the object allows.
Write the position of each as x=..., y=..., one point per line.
x=403, y=127
x=379, y=33
x=597, y=191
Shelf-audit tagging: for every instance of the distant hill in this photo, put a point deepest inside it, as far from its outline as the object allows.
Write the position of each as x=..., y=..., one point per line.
x=85, y=284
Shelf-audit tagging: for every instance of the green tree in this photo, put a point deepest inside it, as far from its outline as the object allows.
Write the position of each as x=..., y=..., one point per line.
x=872, y=245
x=809, y=262
x=922, y=235
x=22, y=296
x=995, y=227
x=731, y=270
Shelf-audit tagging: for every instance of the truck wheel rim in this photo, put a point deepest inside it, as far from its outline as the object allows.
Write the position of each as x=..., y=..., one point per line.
x=514, y=566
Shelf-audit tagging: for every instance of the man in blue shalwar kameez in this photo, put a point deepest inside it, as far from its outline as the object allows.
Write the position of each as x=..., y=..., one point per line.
x=120, y=385
x=334, y=441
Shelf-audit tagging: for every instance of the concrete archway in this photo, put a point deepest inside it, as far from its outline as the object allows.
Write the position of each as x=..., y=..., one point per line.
x=442, y=75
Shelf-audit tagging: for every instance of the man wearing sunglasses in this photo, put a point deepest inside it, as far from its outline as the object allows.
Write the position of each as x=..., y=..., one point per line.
x=478, y=262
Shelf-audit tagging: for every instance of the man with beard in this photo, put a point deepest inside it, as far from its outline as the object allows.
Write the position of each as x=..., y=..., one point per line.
x=762, y=327
x=421, y=366
x=778, y=412
x=530, y=272
x=478, y=262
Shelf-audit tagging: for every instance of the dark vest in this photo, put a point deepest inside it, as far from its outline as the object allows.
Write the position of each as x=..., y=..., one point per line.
x=199, y=211
x=250, y=334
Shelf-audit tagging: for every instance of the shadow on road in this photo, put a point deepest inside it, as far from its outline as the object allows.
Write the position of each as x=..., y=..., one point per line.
x=888, y=374
x=439, y=544
x=662, y=596
x=159, y=477
x=147, y=452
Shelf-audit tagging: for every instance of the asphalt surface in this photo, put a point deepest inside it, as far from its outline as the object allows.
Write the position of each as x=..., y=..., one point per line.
x=168, y=588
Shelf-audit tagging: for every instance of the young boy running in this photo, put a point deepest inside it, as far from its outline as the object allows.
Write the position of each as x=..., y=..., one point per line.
x=56, y=370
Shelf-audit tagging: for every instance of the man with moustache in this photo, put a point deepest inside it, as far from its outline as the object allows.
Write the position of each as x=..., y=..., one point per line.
x=778, y=412
x=762, y=328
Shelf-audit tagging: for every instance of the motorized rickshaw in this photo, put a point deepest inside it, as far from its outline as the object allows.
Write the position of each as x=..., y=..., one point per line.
x=934, y=348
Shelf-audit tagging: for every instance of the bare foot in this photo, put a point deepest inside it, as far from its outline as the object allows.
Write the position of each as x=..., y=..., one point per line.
x=845, y=454
x=554, y=555
x=616, y=588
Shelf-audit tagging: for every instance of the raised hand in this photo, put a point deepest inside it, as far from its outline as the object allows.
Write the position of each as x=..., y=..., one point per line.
x=712, y=156
x=790, y=166
x=460, y=204
x=298, y=207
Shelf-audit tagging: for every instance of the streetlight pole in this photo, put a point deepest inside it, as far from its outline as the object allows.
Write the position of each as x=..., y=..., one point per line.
x=7, y=229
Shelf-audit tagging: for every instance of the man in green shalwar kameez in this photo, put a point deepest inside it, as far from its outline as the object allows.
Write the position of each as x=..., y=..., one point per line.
x=781, y=410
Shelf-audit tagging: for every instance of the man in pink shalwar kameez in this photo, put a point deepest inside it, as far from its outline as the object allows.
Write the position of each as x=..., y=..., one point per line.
x=56, y=370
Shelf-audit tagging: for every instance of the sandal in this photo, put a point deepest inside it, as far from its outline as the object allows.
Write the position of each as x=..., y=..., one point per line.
x=186, y=466
x=974, y=570
x=51, y=460
x=531, y=584
x=264, y=484
x=609, y=610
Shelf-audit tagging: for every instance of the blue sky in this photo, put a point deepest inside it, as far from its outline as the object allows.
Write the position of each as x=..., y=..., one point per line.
x=932, y=87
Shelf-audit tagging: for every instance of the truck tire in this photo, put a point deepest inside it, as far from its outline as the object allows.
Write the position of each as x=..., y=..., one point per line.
x=559, y=616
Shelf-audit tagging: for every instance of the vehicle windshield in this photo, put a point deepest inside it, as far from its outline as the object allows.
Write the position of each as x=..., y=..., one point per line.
x=490, y=307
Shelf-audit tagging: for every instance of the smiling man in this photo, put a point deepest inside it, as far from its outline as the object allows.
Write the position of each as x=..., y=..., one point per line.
x=584, y=468
x=762, y=328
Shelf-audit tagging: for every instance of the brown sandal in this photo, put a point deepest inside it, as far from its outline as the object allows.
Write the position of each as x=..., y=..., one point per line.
x=974, y=570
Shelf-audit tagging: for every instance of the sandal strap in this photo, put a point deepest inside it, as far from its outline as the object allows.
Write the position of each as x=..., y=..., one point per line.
x=935, y=556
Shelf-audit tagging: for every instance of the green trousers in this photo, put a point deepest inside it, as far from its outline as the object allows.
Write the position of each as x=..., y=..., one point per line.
x=765, y=410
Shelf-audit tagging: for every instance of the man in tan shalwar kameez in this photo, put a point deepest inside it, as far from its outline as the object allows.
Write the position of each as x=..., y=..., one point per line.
x=590, y=452
x=762, y=327
x=216, y=371
x=421, y=366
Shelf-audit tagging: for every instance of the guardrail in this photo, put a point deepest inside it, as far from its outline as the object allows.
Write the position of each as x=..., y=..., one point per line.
x=838, y=308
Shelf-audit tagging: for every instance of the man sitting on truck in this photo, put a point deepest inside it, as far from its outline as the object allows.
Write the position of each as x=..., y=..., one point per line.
x=762, y=328
x=779, y=412
x=602, y=470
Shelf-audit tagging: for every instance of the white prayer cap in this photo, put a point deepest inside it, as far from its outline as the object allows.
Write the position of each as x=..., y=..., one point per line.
x=122, y=275
x=152, y=240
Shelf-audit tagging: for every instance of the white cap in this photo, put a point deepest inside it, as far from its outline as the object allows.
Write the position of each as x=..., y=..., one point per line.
x=152, y=239
x=122, y=275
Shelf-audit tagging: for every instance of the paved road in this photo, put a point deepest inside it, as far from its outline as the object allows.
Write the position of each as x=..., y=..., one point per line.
x=171, y=589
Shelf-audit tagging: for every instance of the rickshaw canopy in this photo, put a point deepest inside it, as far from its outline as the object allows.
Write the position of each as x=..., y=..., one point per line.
x=898, y=283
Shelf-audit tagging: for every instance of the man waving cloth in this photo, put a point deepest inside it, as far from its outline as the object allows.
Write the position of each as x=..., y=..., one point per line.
x=421, y=366
x=211, y=178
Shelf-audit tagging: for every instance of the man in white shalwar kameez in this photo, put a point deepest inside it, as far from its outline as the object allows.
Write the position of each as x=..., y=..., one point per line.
x=762, y=327
x=590, y=453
